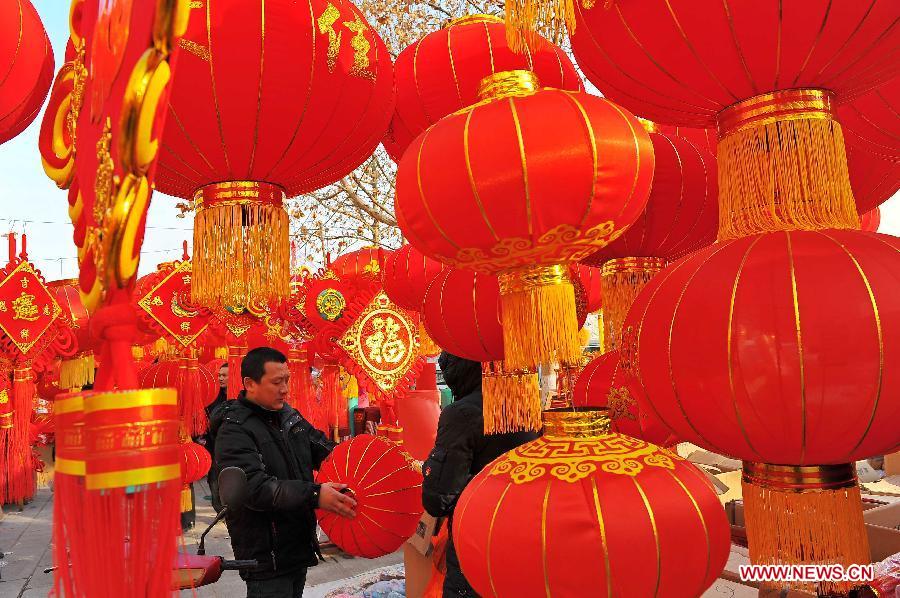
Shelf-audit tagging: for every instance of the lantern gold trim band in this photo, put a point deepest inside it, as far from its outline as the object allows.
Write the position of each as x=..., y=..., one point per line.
x=797, y=478
x=568, y=424
x=473, y=18
x=508, y=83
x=783, y=165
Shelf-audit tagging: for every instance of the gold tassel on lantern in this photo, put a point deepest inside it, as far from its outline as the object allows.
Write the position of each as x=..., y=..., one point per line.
x=525, y=18
x=540, y=324
x=805, y=515
x=77, y=371
x=622, y=280
x=186, y=503
x=512, y=399
x=783, y=165
x=241, y=246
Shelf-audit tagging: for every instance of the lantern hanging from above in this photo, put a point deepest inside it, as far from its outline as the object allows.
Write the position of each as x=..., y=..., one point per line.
x=406, y=275
x=768, y=77
x=582, y=507
x=441, y=73
x=361, y=264
x=737, y=349
x=520, y=185
x=26, y=64
x=271, y=100
x=78, y=370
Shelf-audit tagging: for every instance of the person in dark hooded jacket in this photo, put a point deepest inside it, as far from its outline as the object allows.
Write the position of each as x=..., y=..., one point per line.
x=461, y=450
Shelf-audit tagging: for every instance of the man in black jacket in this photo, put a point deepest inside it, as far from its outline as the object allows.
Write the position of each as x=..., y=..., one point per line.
x=209, y=439
x=278, y=450
x=461, y=450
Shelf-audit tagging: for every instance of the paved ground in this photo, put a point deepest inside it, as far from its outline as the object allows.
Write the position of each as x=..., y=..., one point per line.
x=25, y=542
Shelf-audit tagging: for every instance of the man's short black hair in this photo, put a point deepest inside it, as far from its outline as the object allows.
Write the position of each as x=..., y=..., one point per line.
x=253, y=365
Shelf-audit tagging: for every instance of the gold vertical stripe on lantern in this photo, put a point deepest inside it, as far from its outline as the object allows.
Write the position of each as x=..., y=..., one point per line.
x=512, y=399
x=622, y=280
x=540, y=323
x=241, y=245
x=783, y=165
x=805, y=515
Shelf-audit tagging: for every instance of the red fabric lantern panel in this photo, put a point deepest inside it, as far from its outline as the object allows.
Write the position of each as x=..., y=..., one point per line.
x=774, y=348
x=683, y=61
x=462, y=314
x=870, y=221
x=388, y=493
x=872, y=136
x=524, y=181
x=682, y=210
x=702, y=138
x=440, y=73
x=361, y=264
x=406, y=276
x=588, y=290
x=601, y=516
x=294, y=95
x=26, y=64
x=602, y=384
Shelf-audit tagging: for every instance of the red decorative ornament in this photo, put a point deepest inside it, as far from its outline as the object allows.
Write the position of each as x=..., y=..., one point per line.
x=79, y=370
x=581, y=508
x=196, y=462
x=406, y=275
x=588, y=290
x=440, y=73
x=602, y=385
x=303, y=100
x=873, y=145
x=26, y=61
x=388, y=491
x=165, y=308
x=520, y=185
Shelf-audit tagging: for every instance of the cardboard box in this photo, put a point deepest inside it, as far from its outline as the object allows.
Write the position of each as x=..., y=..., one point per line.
x=418, y=568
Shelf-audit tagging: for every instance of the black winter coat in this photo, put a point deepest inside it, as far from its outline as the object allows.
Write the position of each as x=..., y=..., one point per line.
x=278, y=451
x=461, y=450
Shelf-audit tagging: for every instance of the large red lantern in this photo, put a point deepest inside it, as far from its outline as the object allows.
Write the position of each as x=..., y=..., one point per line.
x=406, y=276
x=26, y=64
x=271, y=99
x=681, y=216
x=773, y=349
x=520, y=185
x=873, y=144
x=768, y=77
x=582, y=511
x=440, y=73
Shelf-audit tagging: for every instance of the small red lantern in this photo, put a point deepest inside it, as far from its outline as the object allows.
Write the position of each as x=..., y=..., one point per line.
x=362, y=264
x=440, y=73
x=583, y=508
x=26, y=61
x=195, y=463
x=269, y=101
x=78, y=370
x=406, y=276
x=522, y=184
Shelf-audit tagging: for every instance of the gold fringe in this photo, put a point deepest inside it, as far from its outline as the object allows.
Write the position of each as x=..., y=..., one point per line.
x=540, y=324
x=78, y=371
x=811, y=526
x=186, y=504
x=782, y=170
x=137, y=352
x=427, y=346
x=241, y=254
x=512, y=400
x=622, y=280
x=221, y=353
x=526, y=19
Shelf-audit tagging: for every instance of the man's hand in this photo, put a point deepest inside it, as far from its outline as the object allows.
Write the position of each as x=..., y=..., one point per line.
x=331, y=499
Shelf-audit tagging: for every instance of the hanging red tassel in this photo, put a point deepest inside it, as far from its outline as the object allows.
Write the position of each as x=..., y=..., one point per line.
x=69, y=537
x=133, y=483
x=332, y=397
x=235, y=356
x=301, y=382
x=192, y=394
x=18, y=461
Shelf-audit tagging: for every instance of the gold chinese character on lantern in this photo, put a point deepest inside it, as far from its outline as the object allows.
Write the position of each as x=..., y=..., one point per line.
x=186, y=279
x=3, y=306
x=326, y=26
x=24, y=283
x=24, y=308
x=25, y=334
x=361, y=47
x=46, y=310
x=156, y=301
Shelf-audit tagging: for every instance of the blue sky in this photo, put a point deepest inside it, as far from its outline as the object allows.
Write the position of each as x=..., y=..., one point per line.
x=29, y=201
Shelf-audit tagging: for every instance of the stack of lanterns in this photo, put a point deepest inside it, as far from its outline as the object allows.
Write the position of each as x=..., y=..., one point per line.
x=736, y=348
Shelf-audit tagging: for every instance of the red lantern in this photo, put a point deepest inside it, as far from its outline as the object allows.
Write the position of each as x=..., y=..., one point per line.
x=388, y=493
x=583, y=508
x=270, y=100
x=26, y=61
x=873, y=144
x=772, y=349
x=364, y=264
x=195, y=463
x=768, y=77
x=520, y=185
x=406, y=276
x=440, y=73
x=79, y=370
x=602, y=385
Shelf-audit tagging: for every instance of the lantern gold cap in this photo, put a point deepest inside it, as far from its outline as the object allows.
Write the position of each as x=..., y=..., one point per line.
x=472, y=19
x=583, y=423
x=508, y=83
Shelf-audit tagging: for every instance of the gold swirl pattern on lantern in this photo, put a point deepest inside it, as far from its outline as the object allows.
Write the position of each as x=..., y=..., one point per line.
x=564, y=243
x=574, y=460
